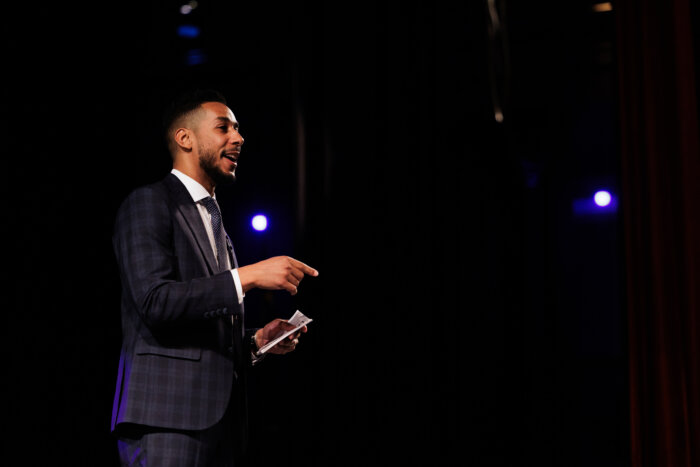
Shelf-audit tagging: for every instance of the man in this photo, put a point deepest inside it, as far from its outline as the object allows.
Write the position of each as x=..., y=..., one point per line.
x=180, y=397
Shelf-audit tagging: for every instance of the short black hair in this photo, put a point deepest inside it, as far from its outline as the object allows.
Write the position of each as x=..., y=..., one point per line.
x=184, y=104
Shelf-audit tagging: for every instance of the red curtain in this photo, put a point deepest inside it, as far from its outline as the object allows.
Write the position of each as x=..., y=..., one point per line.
x=661, y=204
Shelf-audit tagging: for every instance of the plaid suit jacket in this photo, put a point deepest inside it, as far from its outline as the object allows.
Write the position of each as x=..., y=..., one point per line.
x=176, y=366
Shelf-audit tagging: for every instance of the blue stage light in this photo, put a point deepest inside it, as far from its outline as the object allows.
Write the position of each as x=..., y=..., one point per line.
x=188, y=31
x=259, y=222
x=195, y=57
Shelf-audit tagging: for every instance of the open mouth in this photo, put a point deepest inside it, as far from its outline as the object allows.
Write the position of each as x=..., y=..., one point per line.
x=233, y=157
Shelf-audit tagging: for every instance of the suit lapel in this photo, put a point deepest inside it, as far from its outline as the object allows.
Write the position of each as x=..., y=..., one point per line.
x=190, y=213
x=231, y=253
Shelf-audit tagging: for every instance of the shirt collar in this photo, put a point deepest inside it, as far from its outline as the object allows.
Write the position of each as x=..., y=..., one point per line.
x=195, y=189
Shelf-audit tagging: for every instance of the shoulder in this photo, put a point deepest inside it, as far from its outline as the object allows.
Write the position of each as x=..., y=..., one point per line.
x=145, y=195
x=144, y=203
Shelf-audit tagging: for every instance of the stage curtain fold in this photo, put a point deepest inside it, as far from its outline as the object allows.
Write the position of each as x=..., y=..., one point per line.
x=660, y=166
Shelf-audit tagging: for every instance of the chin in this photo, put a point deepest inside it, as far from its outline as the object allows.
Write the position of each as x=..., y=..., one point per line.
x=225, y=178
x=219, y=176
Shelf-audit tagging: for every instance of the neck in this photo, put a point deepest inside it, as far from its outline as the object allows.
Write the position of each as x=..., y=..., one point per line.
x=196, y=173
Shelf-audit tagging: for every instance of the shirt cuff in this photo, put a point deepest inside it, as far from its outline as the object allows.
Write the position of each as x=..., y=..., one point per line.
x=237, y=283
x=254, y=357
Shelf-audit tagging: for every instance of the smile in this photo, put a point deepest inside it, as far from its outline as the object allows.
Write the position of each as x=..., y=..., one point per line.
x=233, y=157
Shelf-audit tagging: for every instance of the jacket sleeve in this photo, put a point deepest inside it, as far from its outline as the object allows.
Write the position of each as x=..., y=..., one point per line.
x=152, y=256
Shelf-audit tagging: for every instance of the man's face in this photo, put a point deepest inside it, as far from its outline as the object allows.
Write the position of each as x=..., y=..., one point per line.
x=218, y=142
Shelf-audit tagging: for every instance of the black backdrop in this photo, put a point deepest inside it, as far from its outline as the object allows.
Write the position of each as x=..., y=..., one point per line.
x=463, y=316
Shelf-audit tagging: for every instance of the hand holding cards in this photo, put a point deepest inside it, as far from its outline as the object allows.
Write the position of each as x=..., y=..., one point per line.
x=298, y=320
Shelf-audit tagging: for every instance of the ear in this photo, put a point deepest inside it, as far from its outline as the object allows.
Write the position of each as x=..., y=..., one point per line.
x=183, y=138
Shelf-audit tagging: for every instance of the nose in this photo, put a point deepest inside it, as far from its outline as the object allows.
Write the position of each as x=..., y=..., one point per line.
x=236, y=137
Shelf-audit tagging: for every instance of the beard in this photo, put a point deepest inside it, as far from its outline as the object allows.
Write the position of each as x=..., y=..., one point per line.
x=209, y=162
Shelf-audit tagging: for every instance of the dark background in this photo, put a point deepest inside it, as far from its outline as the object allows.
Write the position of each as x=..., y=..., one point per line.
x=465, y=312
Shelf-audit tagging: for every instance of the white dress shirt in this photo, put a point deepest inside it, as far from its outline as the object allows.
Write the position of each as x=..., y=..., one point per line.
x=198, y=193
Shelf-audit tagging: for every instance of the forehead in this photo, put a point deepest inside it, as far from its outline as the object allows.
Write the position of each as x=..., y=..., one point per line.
x=214, y=111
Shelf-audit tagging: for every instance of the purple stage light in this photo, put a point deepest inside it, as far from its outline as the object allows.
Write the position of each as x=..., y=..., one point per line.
x=602, y=198
x=259, y=222
x=602, y=203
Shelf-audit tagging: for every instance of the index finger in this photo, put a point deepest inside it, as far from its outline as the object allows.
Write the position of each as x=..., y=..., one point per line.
x=305, y=268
